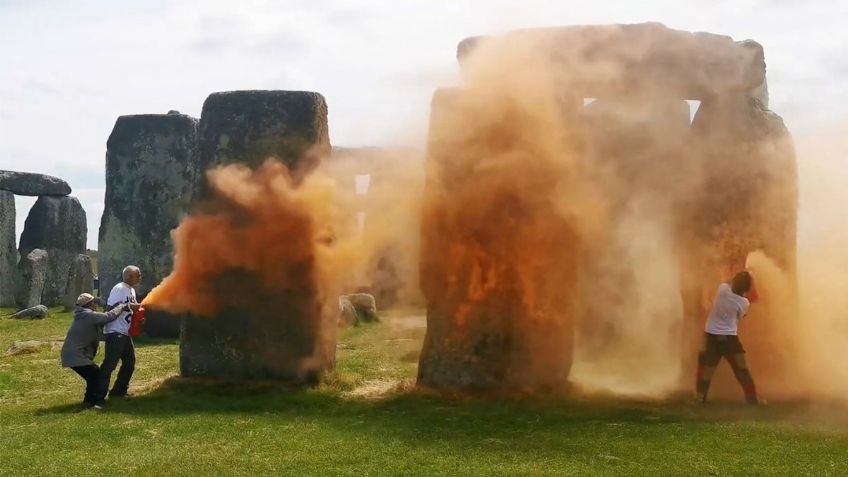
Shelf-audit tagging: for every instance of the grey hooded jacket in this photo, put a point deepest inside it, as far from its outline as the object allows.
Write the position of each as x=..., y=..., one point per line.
x=83, y=337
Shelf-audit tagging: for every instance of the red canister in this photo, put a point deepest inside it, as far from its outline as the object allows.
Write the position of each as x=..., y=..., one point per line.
x=137, y=322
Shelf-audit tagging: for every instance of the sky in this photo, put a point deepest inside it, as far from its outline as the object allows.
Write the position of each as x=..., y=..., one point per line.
x=68, y=69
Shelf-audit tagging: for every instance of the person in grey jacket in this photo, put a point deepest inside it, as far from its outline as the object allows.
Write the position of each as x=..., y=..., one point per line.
x=81, y=344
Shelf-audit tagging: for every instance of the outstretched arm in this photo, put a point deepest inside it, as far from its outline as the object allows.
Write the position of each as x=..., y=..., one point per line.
x=111, y=315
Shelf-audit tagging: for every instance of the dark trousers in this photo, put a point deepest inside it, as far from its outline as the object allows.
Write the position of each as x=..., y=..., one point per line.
x=729, y=348
x=91, y=374
x=118, y=348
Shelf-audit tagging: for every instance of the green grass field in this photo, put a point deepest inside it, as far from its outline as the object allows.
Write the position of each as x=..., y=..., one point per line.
x=368, y=419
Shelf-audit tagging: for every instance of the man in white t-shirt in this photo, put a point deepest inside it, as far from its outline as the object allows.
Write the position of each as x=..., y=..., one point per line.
x=119, y=344
x=721, y=336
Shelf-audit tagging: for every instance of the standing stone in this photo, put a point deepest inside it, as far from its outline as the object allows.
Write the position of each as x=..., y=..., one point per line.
x=283, y=336
x=498, y=275
x=150, y=173
x=32, y=275
x=161, y=324
x=80, y=280
x=57, y=225
x=28, y=183
x=8, y=253
x=364, y=305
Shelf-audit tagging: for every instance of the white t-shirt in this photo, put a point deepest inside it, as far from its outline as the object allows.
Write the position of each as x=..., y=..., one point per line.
x=121, y=293
x=727, y=310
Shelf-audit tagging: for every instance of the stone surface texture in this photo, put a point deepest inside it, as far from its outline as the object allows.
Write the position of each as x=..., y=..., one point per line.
x=57, y=225
x=8, y=250
x=28, y=183
x=151, y=169
x=280, y=336
x=32, y=275
x=36, y=312
x=80, y=280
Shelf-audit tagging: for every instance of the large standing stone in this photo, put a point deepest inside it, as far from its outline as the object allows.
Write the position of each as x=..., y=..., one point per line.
x=32, y=275
x=28, y=183
x=151, y=170
x=80, y=280
x=8, y=252
x=280, y=336
x=161, y=324
x=497, y=262
x=57, y=225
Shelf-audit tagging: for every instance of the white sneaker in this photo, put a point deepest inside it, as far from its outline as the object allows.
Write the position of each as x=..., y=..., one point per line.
x=98, y=407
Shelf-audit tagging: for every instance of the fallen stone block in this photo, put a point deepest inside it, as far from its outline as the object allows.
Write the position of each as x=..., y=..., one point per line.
x=33, y=313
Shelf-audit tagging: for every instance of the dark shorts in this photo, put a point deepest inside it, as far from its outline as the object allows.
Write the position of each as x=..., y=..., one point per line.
x=722, y=345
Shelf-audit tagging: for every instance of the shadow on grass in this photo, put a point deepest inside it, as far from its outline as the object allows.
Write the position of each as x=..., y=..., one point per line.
x=417, y=415
x=62, y=409
x=414, y=417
